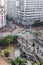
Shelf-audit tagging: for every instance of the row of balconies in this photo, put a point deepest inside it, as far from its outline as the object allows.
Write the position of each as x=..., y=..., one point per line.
x=39, y=52
x=30, y=49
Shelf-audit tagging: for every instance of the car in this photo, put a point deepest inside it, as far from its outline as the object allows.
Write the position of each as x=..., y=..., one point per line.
x=23, y=55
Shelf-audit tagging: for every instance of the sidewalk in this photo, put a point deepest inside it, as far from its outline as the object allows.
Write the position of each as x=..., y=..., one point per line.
x=3, y=62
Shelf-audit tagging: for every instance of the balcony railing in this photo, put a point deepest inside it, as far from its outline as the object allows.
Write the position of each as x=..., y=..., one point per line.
x=39, y=53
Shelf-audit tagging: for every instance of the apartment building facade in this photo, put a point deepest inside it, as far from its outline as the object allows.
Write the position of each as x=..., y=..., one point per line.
x=3, y=12
x=30, y=45
x=11, y=9
x=30, y=10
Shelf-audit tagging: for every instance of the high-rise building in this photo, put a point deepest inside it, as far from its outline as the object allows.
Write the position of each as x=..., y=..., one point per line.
x=30, y=10
x=11, y=9
x=3, y=12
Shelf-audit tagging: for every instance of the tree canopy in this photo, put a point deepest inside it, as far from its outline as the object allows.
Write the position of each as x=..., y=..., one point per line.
x=38, y=23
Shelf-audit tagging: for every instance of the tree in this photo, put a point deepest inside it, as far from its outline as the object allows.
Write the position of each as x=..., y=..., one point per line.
x=9, y=39
x=34, y=63
x=3, y=42
x=38, y=23
x=15, y=39
x=6, y=53
x=41, y=63
x=9, y=18
x=17, y=62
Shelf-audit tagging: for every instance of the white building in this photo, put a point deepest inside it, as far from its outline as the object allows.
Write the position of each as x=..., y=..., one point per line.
x=11, y=9
x=30, y=44
x=30, y=10
x=3, y=12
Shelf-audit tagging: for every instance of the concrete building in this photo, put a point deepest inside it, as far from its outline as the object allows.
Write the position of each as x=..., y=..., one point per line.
x=31, y=45
x=30, y=10
x=11, y=9
x=3, y=12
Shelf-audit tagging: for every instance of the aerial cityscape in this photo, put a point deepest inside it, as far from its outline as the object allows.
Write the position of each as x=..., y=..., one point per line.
x=21, y=32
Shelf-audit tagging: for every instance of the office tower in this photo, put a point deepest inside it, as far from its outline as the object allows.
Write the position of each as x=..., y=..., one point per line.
x=30, y=10
x=3, y=12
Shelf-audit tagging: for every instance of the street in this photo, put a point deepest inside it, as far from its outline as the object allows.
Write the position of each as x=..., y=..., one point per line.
x=8, y=31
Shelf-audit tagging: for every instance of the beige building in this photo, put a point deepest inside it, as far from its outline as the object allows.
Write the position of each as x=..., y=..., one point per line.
x=3, y=12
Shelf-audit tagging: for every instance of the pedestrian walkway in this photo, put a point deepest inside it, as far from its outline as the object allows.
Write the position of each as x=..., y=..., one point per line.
x=2, y=61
